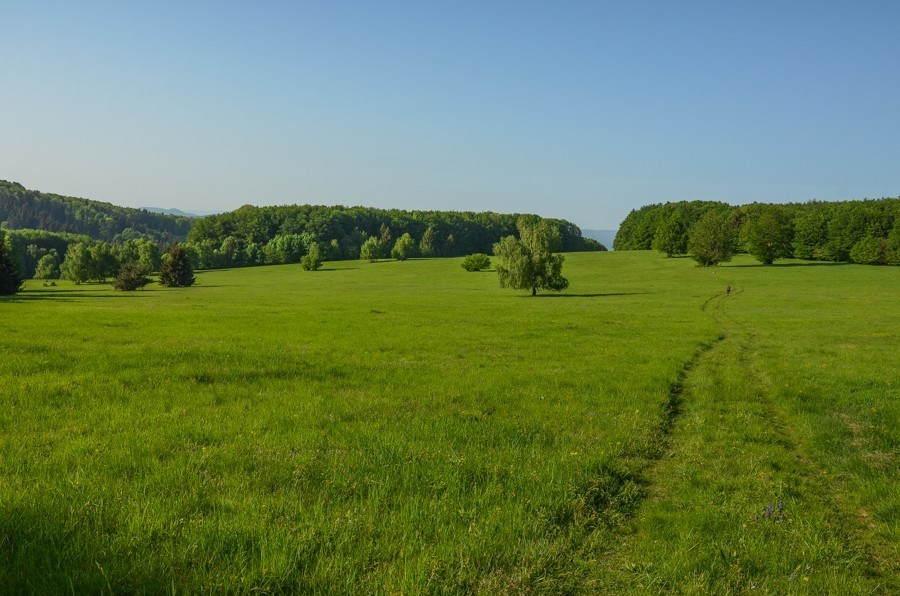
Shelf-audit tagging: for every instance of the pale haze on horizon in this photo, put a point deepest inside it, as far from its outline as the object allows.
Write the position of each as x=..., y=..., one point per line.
x=577, y=110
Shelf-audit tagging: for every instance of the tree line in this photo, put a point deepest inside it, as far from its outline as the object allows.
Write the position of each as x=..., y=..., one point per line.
x=21, y=208
x=283, y=234
x=865, y=232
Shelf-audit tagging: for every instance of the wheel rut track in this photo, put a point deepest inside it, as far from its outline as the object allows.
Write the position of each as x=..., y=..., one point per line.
x=614, y=494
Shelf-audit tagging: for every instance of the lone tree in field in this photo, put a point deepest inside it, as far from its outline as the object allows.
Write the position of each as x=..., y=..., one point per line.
x=711, y=240
x=529, y=262
x=10, y=282
x=176, y=270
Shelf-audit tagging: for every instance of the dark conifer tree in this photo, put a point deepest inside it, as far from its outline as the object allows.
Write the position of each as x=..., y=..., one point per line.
x=10, y=282
x=132, y=276
x=176, y=271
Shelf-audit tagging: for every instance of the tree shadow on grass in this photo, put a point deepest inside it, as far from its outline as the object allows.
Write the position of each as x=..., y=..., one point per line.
x=606, y=295
x=809, y=264
x=52, y=551
x=69, y=295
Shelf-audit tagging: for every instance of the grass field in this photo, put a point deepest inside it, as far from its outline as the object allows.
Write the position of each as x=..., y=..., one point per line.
x=411, y=427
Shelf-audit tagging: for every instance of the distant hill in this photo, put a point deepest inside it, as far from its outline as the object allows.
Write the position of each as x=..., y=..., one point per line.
x=21, y=208
x=604, y=237
x=178, y=212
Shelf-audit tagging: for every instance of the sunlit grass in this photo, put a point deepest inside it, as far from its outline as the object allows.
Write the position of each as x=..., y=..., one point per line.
x=409, y=427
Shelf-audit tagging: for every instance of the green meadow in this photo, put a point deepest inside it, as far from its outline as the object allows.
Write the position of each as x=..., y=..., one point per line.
x=410, y=427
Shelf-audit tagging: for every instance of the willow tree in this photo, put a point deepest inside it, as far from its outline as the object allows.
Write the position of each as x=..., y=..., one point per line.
x=529, y=262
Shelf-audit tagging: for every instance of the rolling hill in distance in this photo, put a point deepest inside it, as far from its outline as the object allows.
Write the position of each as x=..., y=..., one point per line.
x=604, y=237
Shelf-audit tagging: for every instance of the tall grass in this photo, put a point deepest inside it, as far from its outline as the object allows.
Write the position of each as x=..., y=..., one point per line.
x=410, y=427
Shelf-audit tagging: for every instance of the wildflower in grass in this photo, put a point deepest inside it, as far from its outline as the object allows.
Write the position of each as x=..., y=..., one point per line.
x=768, y=512
x=780, y=510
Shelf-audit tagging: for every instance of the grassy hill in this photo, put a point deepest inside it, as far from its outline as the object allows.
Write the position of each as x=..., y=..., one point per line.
x=21, y=208
x=411, y=427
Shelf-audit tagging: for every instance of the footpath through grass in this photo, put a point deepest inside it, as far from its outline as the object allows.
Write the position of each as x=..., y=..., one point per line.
x=783, y=472
x=410, y=427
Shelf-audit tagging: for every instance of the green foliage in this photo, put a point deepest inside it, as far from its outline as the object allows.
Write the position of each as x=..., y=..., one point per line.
x=767, y=233
x=145, y=252
x=384, y=234
x=27, y=247
x=476, y=262
x=814, y=230
x=312, y=260
x=872, y=251
x=404, y=248
x=370, y=250
x=285, y=248
x=670, y=236
x=10, y=281
x=639, y=229
x=132, y=276
x=811, y=233
x=78, y=265
x=529, y=263
x=711, y=240
x=176, y=270
x=23, y=208
x=103, y=262
x=48, y=266
x=427, y=243
x=220, y=240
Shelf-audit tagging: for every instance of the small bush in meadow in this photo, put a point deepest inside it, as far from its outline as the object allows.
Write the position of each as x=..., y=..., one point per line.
x=312, y=260
x=476, y=262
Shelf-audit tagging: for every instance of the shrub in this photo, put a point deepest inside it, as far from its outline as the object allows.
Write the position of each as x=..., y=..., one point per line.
x=312, y=260
x=476, y=262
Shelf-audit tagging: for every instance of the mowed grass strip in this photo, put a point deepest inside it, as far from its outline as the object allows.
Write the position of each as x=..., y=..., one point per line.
x=370, y=427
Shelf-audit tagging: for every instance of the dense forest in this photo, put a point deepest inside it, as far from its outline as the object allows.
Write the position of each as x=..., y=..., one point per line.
x=21, y=208
x=846, y=231
x=41, y=228
x=260, y=235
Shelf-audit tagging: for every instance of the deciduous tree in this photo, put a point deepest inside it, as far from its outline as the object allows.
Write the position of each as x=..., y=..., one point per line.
x=312, y=260
x=78, y=263
x=404, y=248
x=529, y=262
x=767, y=233
x=48, y=266
x=371, y=249
x=711, y=240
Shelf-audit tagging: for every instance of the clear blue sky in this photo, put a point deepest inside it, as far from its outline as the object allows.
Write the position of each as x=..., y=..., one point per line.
x=580, y=110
